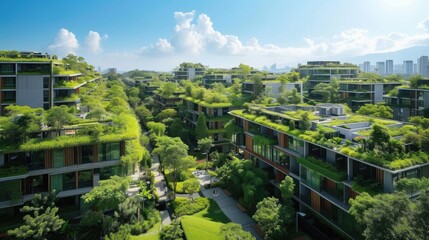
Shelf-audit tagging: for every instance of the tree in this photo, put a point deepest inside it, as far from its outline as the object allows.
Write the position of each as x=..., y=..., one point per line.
x=143, y=113
x=57, y=117
x=414, y=80
x=376, y=110
x=420, y=217
x=155, y=128
x=245, y=70
x=327, y=92
x=21, y=121
x=291, y=125
x=390, y=216
x=258, y=86
x=167, y=89
x=191, y=186
x=108, y=194
x=305, y=123
x=420, y=121
x=97, y=113
x=173, y=155
x=201, y=130
x=166, y=113
x=267, y=215
x=234, y=231
x=41, y=218
x=205, y=144
x=122, y=234
x=172, y=232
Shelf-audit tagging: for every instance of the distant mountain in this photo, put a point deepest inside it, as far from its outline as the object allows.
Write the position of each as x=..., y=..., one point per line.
x=398, y=57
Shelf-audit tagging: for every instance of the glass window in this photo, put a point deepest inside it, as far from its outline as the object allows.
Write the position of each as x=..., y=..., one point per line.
x=46, y=82
x=57, y=182
x=37, y=160
x=69, y=181
x=9, y=82
x=58, y=158
x=109, y=151
x=106, y=172
x=87, y=154
x=85, y=179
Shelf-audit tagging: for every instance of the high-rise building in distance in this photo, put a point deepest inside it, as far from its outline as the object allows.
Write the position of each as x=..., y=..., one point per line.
x=380, y=68
x=423, y=66
x=408, y=67
x=366, y=66
x=389, y=67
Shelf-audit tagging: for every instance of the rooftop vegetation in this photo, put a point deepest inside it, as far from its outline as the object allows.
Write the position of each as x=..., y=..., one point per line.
x=388, y=153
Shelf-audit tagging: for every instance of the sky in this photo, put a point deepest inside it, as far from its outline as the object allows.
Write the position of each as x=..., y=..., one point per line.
x=159, y=35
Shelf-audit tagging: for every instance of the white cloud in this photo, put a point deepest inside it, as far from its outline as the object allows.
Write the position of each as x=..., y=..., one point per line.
x=424, y=24
x=64, y=43
x=93, y=42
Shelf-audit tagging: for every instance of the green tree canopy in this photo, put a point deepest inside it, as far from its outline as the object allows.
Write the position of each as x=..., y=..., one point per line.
x=376, y=110
x=234, y=231
x=108, y=194
x=41, y=219
x=201, y=130
x=57, y=117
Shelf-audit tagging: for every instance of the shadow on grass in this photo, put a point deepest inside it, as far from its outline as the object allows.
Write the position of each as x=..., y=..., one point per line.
x=213, y=213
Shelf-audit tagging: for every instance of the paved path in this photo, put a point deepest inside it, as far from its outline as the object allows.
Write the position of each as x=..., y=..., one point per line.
x=228, y=206
x=160, y=184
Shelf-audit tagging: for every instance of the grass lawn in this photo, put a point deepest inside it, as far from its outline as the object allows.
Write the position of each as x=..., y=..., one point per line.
x=196, y=228
x=152, y=234
x=213, y=213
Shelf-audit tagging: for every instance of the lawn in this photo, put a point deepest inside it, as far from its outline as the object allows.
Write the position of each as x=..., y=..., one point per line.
x=152, y=234
x=196, y=228
x=213, y=213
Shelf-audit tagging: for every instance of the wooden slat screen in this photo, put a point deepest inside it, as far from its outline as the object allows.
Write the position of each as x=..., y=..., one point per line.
x=95, y=152
x=331, y=185
x=48, y=159
x=249, y=143
x=69, y=156
x=379, y=176
x=246, y=125
x=315, y=201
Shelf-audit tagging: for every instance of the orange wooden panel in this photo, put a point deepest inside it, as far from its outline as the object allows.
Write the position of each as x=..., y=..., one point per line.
x=315, y=201
x=95, y=152
x=69, y=156
x=246, y=125
x=379, y=176
x=48, y=158
x=249, y=142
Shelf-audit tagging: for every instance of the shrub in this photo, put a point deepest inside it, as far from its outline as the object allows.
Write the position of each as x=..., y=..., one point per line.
x=184, y=206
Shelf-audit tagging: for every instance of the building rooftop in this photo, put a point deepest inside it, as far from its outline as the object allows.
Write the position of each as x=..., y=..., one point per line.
x=334, y=128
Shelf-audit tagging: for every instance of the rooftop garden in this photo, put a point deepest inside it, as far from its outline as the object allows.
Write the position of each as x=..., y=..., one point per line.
x=379, y=147
x=107, y=121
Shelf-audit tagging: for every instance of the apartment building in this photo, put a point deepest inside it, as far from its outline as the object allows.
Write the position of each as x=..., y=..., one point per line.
x=327, y=172
x=38, y=83
x=162, y=102
x=410, y=102
x=358, y=92
x=325, y=71
x=216, y=115
x=271, y=87
x=183, y=73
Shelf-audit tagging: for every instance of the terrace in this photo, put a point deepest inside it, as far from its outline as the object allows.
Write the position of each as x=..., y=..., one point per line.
x=335, y=132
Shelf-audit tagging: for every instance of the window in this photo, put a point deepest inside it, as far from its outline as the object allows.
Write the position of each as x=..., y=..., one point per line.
x=58, y=158
x=36, y=160
x=106, y=172
x=57, y=182
x=108, y=151
x=85, y=179
x=45, y=96
x=87, y=154
x=69, y=181
x=46, y=82
x=9, y=83
x=9, y=96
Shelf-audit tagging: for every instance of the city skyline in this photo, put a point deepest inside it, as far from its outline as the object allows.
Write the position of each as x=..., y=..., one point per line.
x=158, y=36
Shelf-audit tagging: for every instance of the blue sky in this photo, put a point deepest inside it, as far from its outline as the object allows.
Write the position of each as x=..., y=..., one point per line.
x=161, y=34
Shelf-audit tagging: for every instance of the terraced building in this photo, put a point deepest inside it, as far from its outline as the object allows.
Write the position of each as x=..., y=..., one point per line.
x=329, y=162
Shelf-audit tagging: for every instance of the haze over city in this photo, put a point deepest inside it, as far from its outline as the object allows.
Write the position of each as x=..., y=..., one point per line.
x=159, y=35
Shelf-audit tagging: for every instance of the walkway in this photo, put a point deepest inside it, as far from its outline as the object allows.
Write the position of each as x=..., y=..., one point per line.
x=160, y=183
x=229, y=207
